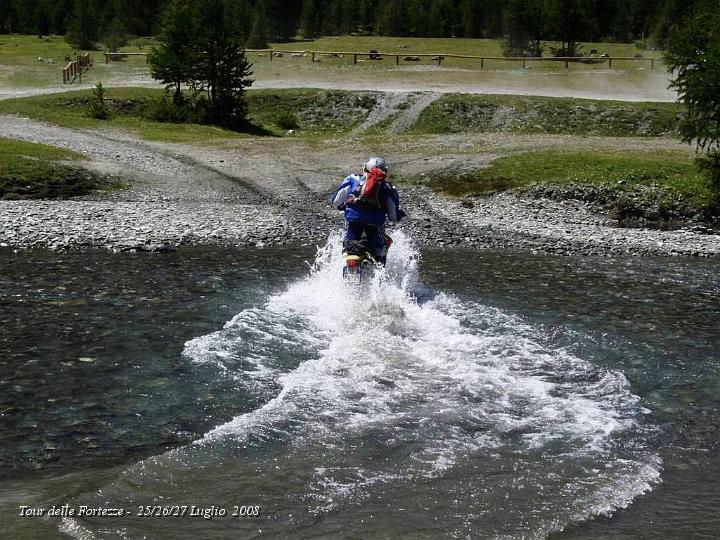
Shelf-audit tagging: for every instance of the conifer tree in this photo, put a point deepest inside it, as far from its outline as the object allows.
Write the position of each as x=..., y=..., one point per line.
x=524, y=26
x=391, y=18
x=172, y=60
x=693, y=57
x=470, y=18
x=115, y=35
x=568, y=21
x=83, y=29
x=310, y=20
x=258, y=37
x=220, y=68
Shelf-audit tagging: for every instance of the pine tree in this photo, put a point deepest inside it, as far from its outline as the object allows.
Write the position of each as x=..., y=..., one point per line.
x=350, y=14
x=83, y=29
x=391, y=18
x=258, y=37
x=282, y=18
x=58, y=16
x=524, y=27
x=671, y=13
x=3, y=16
x=441, y=16
x=220, y=68
x=569, y=24
x=115, y=35
x=172, y=60
x=241, y=15
x=492, y=18
x=693, y=57
x=140, y=17
x=621, y=28
x=331, y=17
x=310, y=20
x=418, y=19
x=470, y=18
x=366, y=15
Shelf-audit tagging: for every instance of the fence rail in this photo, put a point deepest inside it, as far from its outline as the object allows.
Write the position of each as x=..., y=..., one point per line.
x=76, y=68
x=438, y=58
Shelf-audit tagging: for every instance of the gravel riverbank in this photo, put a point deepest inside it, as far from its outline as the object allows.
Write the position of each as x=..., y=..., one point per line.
x=501, y=221
x=275, y=192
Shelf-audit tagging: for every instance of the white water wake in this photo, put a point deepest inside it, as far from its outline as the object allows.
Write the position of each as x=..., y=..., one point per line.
x=390, y=400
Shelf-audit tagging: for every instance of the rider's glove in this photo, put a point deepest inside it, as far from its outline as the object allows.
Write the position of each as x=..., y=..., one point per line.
x=350, y=199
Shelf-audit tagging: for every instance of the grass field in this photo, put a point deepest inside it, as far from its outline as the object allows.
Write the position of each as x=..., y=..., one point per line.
x=460, y=46
x=30, y=171
x=20, y=68
x=667, y=178
x=479, y=47
x=458, y=113
x=322, y=113
x=32, y=62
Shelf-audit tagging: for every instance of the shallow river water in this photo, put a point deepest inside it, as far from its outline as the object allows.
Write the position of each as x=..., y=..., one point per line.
x=460, y=395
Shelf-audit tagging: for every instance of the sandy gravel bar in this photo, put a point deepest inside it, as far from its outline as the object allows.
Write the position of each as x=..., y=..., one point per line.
x=136, y=225
x=502, y=221
x=565, y=227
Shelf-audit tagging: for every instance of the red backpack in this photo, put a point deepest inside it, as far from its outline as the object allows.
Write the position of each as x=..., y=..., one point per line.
x=369, y=196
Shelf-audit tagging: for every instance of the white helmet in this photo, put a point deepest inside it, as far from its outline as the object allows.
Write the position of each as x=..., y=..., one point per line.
x=375, y=162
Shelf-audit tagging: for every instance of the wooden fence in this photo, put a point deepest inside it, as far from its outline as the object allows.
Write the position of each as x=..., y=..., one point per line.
x=75, y=69
x=437, y=58
x=440, y=57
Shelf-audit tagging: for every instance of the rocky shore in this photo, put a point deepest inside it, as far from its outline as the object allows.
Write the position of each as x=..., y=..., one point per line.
x=500, y=221
x=256, y=195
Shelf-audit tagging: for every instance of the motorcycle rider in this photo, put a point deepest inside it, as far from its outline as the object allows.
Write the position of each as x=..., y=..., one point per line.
x=368, y=200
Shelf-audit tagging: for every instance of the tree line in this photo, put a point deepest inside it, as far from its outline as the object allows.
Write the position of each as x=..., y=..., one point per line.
x=523, y=24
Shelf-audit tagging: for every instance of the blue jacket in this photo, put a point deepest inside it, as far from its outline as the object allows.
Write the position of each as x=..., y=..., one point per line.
x=389, y=198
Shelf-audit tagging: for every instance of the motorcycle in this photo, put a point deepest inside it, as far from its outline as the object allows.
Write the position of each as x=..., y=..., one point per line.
x=360, y=264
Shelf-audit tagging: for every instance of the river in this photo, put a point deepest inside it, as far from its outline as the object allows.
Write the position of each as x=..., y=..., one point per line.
x=465, y=394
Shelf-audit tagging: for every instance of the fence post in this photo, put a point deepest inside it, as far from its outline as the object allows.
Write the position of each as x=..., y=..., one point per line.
x=567, y=64
x=524, y=67
x=609, y=62
x=482, y=63
x=652, y=63
x=439, y=60
x=313, y=56
x=397, y=59
x=271, y=55
x=354, y=58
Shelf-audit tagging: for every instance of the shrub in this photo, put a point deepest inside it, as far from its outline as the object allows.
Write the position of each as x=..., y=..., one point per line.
x=163, y=109
x=98, y=108
x=287, y=120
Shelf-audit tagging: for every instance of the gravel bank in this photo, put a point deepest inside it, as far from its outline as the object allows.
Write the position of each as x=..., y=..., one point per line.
x=263, y=193
x=502, y=221
x=146, y=226
x=561, y=227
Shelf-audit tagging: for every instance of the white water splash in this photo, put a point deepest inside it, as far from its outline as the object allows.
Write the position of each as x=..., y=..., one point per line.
x=463, y=378
x=387, y=391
